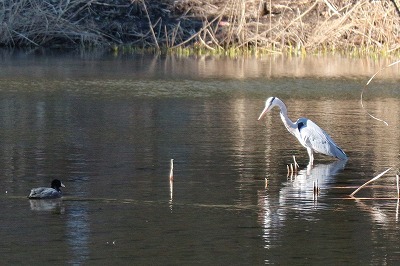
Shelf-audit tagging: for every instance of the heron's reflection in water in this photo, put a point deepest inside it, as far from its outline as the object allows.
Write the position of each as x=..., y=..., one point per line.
x=296, y=198
x=301, y=185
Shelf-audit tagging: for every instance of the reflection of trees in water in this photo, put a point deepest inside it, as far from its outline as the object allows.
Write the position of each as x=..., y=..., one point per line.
x=279, y=66
x=77, y=223
x=78, y=230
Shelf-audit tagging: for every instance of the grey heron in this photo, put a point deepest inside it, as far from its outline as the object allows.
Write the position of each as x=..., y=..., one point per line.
x=309, y=134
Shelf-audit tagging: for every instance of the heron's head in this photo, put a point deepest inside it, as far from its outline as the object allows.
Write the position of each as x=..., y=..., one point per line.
x=269, y=104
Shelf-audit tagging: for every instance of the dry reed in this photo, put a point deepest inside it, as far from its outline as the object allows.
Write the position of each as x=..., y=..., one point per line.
x=224, y=26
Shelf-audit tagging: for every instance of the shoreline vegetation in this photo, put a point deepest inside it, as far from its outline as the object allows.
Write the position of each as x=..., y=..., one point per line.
x=213, y=27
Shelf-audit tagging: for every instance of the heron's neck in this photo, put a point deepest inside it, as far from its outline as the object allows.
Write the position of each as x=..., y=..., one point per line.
x=290, y=126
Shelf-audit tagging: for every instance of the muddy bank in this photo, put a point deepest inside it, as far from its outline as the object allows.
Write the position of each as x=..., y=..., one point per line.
x=215, y=26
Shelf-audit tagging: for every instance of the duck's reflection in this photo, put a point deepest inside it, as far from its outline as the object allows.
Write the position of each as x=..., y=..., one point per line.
x=297, y=194
x=53, y=205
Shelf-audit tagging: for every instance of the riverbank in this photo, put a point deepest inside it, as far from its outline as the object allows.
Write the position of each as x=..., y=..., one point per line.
x=209, y=27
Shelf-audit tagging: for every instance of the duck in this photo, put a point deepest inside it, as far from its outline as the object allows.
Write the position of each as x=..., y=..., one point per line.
x=52, y=192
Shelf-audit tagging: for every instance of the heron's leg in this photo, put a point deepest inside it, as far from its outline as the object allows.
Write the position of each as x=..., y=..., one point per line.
x=309, y=167
x=311, y=156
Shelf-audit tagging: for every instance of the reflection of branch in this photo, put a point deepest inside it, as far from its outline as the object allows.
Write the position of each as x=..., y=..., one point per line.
x=373, y=179
x=376, y=213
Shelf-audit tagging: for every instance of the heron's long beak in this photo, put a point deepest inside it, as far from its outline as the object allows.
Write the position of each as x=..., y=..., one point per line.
x=263, y=113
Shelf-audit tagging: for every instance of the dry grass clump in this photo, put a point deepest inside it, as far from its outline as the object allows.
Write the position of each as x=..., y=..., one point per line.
x=369, y=25
x=35, y=22
x=304, y=26
x=227, y=26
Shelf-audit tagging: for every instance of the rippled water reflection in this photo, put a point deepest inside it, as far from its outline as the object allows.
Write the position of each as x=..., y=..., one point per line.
x=108, y=127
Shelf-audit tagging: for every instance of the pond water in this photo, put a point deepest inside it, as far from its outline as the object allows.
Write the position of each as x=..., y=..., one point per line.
x=108, y=126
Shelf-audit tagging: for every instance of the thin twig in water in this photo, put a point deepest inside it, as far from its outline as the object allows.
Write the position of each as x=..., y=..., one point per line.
x=366, y=183
x=365, y=87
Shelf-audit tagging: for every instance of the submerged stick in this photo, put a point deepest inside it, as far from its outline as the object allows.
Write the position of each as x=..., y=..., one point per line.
x=366, y=183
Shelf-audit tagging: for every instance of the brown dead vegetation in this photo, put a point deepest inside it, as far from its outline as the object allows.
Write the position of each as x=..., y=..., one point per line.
x=214, y=25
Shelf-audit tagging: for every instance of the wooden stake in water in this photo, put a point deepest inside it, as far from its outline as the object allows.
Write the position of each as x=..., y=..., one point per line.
x=398, y=189
x=171, y=190
x=266, y=182
x=315, y=189
x=171, y=171
x=171, y=180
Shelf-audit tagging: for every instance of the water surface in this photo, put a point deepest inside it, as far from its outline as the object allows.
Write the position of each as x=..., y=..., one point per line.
x=108, y=127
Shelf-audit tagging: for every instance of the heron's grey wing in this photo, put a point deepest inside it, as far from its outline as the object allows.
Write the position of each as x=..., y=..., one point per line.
x=318, y=140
